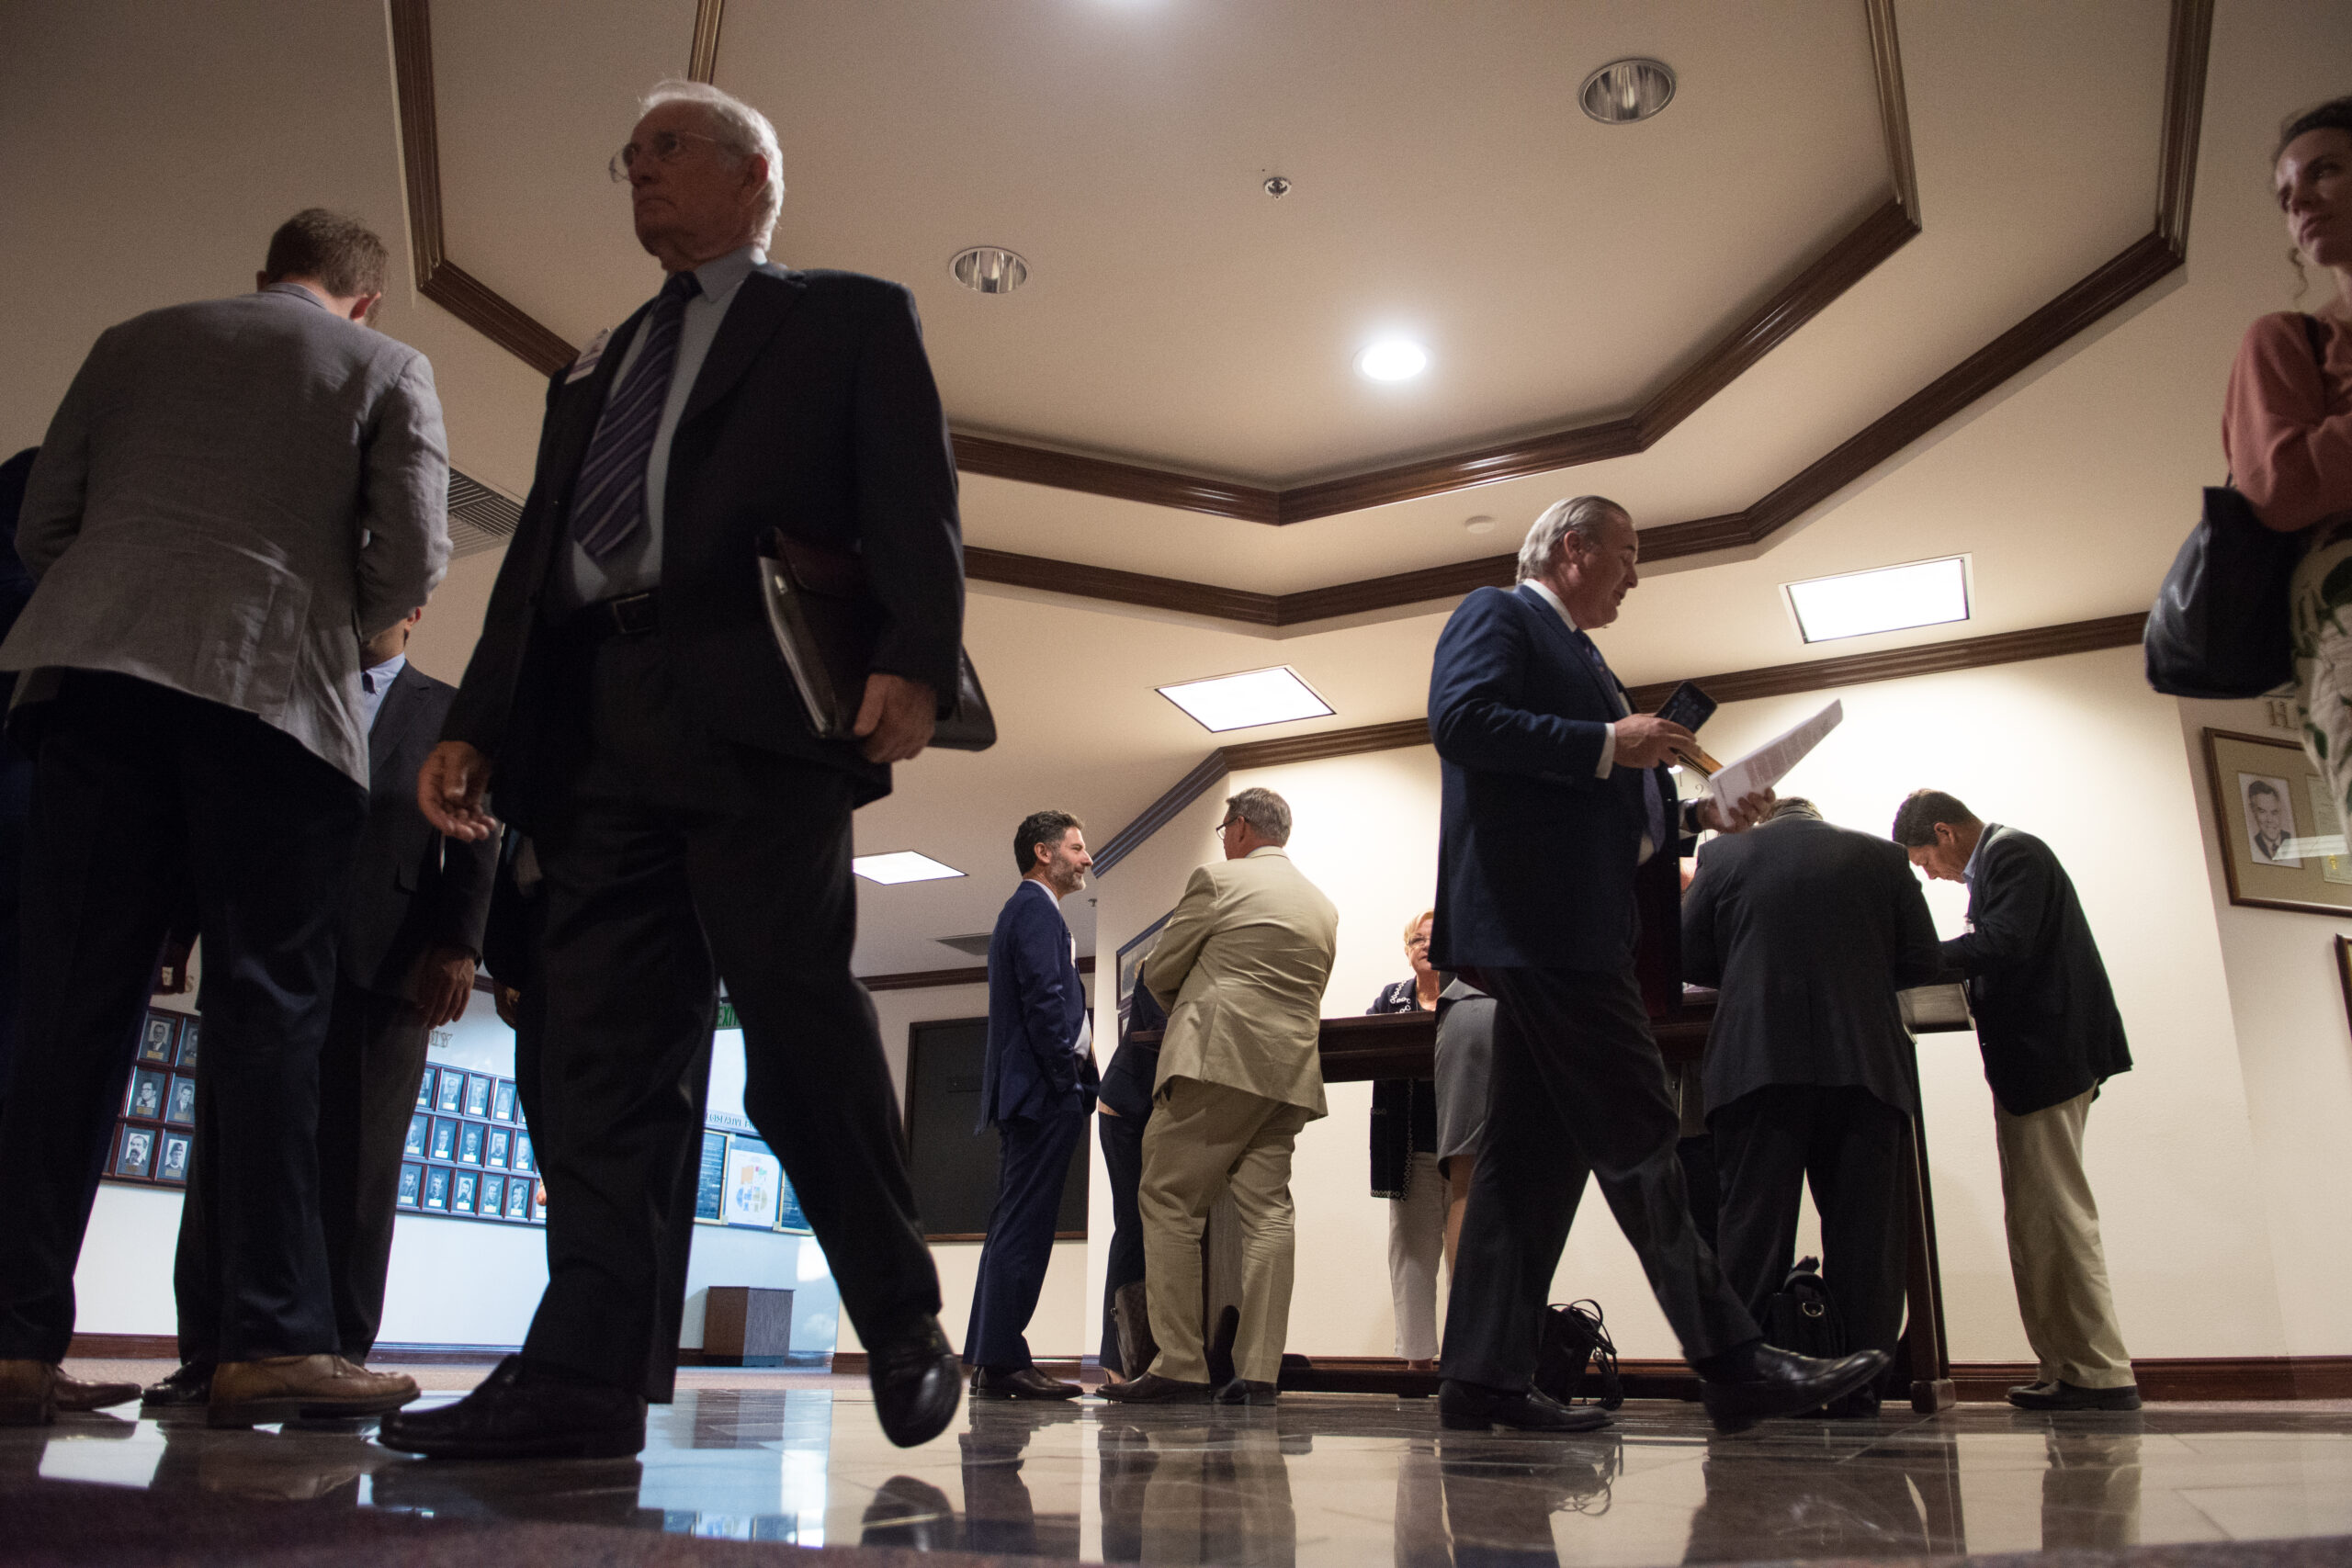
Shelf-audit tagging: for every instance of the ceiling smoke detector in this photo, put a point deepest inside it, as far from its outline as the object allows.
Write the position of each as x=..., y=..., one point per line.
x=989, y=269
x=1625, y=91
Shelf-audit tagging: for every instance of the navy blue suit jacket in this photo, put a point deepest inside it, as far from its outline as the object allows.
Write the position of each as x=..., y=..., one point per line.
x=1536, y=857
x=1036, y=1004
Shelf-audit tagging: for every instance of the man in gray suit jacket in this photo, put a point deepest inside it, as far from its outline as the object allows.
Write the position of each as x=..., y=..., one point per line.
x=232, y=497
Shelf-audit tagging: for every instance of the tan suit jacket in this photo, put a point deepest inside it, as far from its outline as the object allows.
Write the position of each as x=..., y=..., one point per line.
x=1241, y=969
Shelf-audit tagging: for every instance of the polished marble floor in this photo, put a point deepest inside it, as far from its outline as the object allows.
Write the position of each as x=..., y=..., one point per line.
x=1334, y=1481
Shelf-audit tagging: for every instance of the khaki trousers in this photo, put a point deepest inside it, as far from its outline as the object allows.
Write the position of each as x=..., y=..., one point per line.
x=2055, y=1252
x=1204, y=1140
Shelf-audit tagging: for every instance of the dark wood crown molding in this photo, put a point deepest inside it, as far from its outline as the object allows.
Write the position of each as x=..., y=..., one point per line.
x=933, y=979
x=1732, y=686
x=702, y=59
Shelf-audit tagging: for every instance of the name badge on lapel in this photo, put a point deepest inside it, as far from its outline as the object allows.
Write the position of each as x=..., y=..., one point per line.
x=586, y=363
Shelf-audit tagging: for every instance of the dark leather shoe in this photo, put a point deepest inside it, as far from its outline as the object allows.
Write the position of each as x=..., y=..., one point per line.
x=522, y=1413
x=190, y=1388
x=1153, y=1389
x=917, y=1382
x=77, y=1397
x=1786, y=1384
x=1471, y=1407
x=1241, y=1391
x=2055, y=1394
x=1020, y=1382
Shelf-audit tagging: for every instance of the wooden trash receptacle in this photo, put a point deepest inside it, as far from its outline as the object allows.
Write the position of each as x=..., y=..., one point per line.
x=745, y=1325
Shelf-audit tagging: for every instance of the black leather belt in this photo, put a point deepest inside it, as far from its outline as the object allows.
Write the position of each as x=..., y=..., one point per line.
x=633, y=615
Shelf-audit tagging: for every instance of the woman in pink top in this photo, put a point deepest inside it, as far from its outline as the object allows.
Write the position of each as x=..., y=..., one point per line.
x=2287, y=427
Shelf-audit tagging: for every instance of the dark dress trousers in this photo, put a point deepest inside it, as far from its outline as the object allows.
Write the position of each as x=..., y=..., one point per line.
x=689, y=824
x=1404, y=1110
x=2046, y=1019
x=1125, y=1099
x=410, y=891
x=1809, y=930
x=1538, y=859
x=1035, y=1091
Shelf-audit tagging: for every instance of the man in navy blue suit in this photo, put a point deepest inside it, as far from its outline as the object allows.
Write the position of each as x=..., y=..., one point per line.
x=1556, y=803
x=1035, y=1091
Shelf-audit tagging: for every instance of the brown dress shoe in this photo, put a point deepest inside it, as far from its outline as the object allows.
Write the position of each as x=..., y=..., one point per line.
x=75, y=1397
x=27, y=1394
x=290, y=1388
x=1153, y=1389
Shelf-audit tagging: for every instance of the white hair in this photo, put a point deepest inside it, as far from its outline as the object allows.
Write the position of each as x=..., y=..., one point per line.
x=741, y=128
x=1586, y=516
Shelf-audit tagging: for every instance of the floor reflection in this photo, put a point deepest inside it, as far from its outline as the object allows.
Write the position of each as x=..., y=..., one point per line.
x=1319, y=1480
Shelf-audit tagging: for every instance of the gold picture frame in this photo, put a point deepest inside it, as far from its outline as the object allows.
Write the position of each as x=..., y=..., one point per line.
x=2281, y=837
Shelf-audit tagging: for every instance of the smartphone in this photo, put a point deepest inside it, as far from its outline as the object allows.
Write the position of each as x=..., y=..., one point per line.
x=1688, y=706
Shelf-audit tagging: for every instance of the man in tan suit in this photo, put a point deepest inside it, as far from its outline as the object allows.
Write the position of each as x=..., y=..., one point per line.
x=1241, y=969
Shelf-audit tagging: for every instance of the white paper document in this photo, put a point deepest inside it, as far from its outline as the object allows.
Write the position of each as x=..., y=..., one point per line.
x=1770, y=762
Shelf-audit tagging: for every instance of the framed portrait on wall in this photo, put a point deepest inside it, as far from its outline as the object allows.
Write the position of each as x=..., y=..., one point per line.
x=445, y=1139
x=2281, y=838
x=171, y=1158
x=522, y=1157
x=470, y=1138
x=155, y=1042
x=411, y=1190
x=180, y=1109
x=146, y=1095
x=425, y=1090
x=477, y=1090
x=518, y=1199
x=502, y=1103
x=493, y=1150
x=437, y=1187
x=453, y=1093
x=492, y=1201
x=420, y=1136
x=191, y=1032
x=462, y=1188
x=134, y=1151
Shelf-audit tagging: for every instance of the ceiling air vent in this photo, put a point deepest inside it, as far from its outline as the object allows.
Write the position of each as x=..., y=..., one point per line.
x=480, y=518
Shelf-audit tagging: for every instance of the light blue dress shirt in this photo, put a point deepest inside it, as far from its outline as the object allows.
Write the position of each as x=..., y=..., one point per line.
x=374, y=681
x=580, y=579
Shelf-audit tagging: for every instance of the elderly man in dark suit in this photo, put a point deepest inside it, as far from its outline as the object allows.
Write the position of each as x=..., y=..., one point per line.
x=2046, y=1024
x=229, y=493
x=405, y=949
x=627, y=704
x=1036, y=1086
x=1809, y=930
x=1555, y=802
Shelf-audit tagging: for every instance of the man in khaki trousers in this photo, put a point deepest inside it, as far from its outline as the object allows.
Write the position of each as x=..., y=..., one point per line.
x=2047, y=1023
x=1241, y=969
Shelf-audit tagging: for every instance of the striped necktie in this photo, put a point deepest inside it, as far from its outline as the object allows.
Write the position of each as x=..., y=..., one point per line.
x=609, y=504
x=1652, y=808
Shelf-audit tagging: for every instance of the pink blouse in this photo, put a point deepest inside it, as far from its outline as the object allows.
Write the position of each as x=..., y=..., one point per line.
x=2286, y=422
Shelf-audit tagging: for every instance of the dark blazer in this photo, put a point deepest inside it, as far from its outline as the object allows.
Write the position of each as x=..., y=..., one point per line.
x=1536, y=857
x=411, y=888
x=1808, y=930
x=1127, y=1082
x=814, y=413
x=2045, y=1013
x=1037, y=1003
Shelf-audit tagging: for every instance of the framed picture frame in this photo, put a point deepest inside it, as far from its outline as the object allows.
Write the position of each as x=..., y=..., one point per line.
x=502, y=1103
x=452, y=1097
x=518, y=1199
x=412, y=1188
x=145, y=1101
x=424, y=1085
x=180, y=1109
x=158, y=1040
x=445, y=1139
x=437, y=1187
x=477, y=1090
x=134, y=1151
x=420, y=1136
x=522, y=1158
x=2281, y=838
x=491, y=1202
x=463, y=1185
x=172, y=1157
x=191, y=1032
x=470, y=1139
x=496, y=1147
x=754, y=1184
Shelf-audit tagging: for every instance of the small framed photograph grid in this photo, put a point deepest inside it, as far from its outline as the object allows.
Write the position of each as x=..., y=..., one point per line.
x=151, y=1142
x=468, y=1154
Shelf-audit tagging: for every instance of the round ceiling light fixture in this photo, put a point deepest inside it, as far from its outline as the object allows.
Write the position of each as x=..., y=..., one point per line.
x=989, y=269
x=1392, y=359
x=1625, y=91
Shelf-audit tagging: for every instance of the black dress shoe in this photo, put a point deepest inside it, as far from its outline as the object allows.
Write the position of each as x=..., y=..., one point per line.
x=2060, y=1394
x=1471, y=1407
x=1241, y=1391
x=1786, y=1383
x=522, y=1412
x=1020, y=1382
x=917, y=1382
x=1153, y=1389
x=190, y=1388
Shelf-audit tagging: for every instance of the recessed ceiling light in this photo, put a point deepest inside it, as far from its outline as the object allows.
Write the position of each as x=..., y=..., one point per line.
x=1625, y=91
x=902, y=865
x=1244, y=701
x=1895, y=598
x=1392, y=359
x=1481, y=523
x=989, y=269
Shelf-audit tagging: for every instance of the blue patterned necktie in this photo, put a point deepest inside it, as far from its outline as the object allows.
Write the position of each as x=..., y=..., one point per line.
x=609, y=504
x=1652, y=808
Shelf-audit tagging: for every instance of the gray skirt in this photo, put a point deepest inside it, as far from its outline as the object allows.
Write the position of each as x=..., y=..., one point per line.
x=1465, y=1050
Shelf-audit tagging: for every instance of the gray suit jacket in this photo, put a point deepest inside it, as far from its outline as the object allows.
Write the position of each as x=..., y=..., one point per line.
x=231, y=496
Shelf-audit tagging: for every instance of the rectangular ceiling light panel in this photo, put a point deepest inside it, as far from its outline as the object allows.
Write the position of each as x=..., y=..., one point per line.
x=1892, y=599
x=1245, y=701
x=904, y=866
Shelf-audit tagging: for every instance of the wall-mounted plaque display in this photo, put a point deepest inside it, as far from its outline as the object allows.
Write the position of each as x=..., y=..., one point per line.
x=518, y=1198
x=495, y=1147
x=436, y=1187
x=190, y=1030
x=2281, y=838
x=180, y=1109
x=462, y=1188
x=501, y=1104
x=412, y=1186
x=492, y=1200
x=418, y=1143
x=445, y=1139
x=146, y=1098
x=146, y=1147
x=469, y=1138
x=713, y=1180
x=171, y=1158
x=134, y=1151
x=452, y=1097
x=522, y=1157
x=477, y=1090
x=754, y=1178
x=157, y=1040
x=425, y=1090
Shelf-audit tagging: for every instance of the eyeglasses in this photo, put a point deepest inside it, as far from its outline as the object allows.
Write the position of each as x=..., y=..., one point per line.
x=1412, y=941
x=662, y=147
x=1224, y=825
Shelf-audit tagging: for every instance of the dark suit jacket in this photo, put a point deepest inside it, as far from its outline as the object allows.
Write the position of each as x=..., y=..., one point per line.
x=1037, y=1003
x=411, y=888
x=1128, y=1081
x=814, y=413
x=1536, y=857
x=2045, y=1013
x=1808, y=930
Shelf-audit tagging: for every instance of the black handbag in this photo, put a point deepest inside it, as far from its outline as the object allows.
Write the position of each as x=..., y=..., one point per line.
x=2220, y=627
x=1576, y=1359
x=825, y=619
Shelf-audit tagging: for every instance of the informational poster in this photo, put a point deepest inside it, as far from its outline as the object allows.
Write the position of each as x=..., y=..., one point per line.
x=709, y=1190
x=754, y=1183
